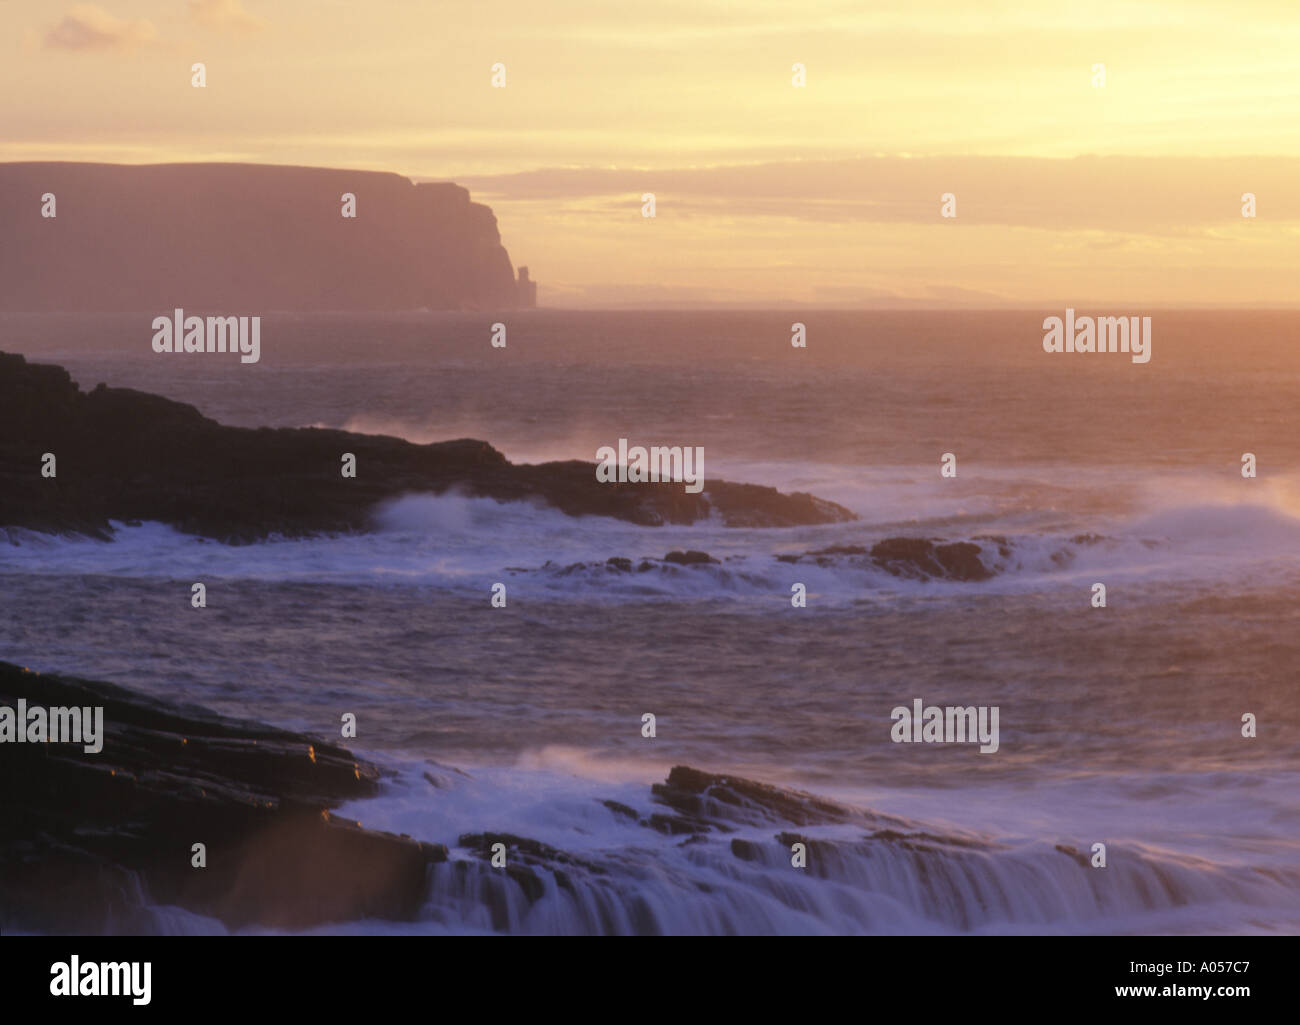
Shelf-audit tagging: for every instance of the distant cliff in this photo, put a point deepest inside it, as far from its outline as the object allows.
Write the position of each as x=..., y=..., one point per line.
x=244, y=238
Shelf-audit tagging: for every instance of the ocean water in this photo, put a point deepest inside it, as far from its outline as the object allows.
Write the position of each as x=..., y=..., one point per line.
x=1119, y=725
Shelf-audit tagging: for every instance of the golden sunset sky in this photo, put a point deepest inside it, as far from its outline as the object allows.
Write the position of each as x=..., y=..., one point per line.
x=766, y=194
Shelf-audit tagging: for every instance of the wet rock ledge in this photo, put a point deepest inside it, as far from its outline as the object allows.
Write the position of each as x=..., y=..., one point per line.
x=81, y=833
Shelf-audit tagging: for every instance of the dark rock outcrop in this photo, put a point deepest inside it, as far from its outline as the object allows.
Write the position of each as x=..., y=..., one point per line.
x=618, y=564
x=923, y=558
x=913, y=558
x=87, y=839
x=244, y=239
x=127, y=455
x=708, y=797
x=690, y=558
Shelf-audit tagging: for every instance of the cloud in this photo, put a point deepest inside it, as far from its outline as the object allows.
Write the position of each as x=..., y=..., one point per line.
x=227, y=15
x=87, y=27
x=1160, y=195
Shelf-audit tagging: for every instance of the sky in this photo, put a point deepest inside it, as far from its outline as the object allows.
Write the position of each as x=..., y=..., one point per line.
x=1069, y=190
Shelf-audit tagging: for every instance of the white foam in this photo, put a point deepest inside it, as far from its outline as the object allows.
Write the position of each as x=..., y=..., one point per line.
x=456, y=542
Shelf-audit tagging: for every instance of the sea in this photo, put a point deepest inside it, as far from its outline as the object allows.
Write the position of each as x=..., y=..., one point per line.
x=1124, y=726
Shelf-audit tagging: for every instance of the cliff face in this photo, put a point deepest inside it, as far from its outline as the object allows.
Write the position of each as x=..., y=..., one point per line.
x=243, y=239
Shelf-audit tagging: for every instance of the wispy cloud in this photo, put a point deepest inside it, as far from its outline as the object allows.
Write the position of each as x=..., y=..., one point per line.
x=227, y=15
x=1151, y=194
x=90, y=28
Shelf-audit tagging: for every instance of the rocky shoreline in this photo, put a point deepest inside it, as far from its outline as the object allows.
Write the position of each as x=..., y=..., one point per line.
x=90, y=843
x=102, y=844
x=81, y=834
x=128, y=456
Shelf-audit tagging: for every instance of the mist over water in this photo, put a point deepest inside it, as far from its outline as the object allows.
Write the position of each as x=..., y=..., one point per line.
x=1118, y=725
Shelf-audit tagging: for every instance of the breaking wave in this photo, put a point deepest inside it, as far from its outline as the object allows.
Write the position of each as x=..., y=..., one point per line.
x=454, y=542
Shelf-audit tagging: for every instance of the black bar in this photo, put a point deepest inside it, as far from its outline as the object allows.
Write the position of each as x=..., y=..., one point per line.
x=380, y=974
